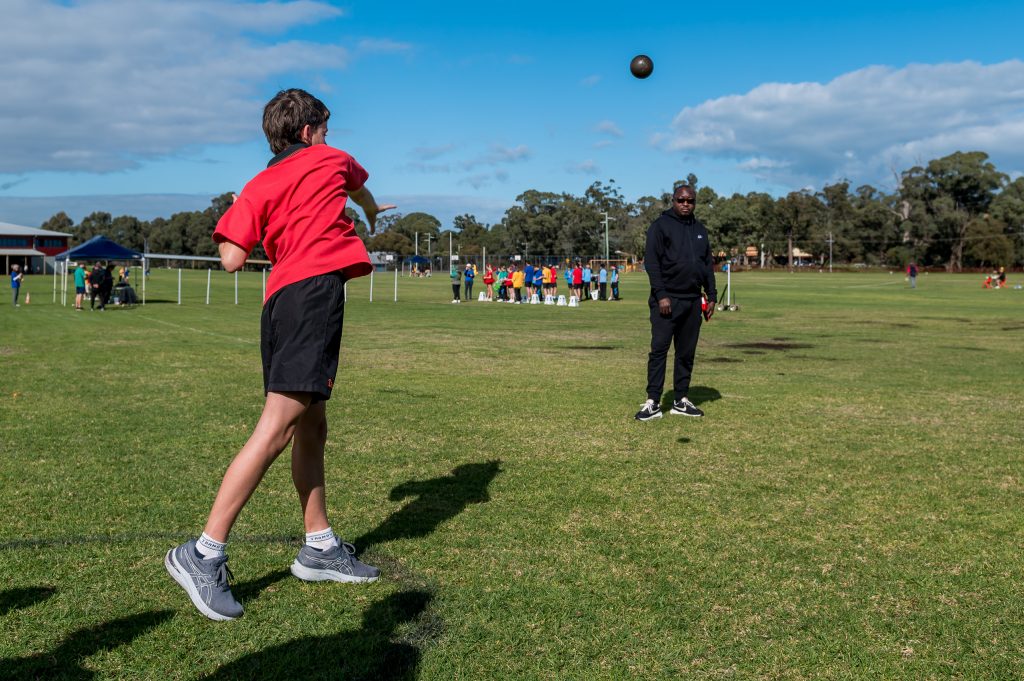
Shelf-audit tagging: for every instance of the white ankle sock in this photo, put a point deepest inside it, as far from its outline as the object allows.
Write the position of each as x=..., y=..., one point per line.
x=322, y=539
x=208, y=547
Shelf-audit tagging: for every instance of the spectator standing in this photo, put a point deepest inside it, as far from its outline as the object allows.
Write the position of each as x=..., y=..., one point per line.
x=602, y=283
x=469, y=276
x=577, y=281
x=489, y=282
x=79, y=287
x=912, y=274
x=679, y=264
x=528, y=280
x=456, y=276
x=95, y=279
x=587, y=278
x=518, y=280
x=16, y=278
x=615, y=283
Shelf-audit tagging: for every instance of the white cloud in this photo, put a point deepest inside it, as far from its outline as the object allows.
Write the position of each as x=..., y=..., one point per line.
x=430, y=153
x=383, y=46
x=608, y=128
x=588, y=167
x=99, y=85
x=590, y=81
x=863, y=123
x=499, y=154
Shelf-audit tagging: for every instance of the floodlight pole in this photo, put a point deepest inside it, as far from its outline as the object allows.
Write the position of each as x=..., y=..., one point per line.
x=605, y=221
x=417, y=244
x=830, y=241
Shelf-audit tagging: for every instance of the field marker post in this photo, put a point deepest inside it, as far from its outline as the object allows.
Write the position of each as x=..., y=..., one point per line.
x=396, y=284
x=208, y=271
x=236, y=287
x=264, y=284
x=371, y=286
x=179, y=286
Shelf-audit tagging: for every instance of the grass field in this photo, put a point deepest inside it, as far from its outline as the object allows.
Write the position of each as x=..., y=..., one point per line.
x=851, y=506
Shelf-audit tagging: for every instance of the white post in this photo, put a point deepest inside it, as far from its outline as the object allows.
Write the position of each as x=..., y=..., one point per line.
x=344, y=293
x=208, y=273
x=143, y=281
x=54, y=279
x=179, y=286
x=484, y=266
x=728, y=286
x=371, y=286
x=236, y=287
x=396, y=284
x=264, y=284
x=64, y=297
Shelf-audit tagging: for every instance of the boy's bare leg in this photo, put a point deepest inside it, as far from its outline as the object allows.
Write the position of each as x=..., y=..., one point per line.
x=308, y=466
x=282, y=413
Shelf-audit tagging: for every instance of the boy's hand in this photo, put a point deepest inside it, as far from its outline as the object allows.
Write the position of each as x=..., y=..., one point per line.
x=372, y=221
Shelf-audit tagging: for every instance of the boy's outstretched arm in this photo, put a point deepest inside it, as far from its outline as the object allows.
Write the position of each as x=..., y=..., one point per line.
x=364, y=198
x=232, y=256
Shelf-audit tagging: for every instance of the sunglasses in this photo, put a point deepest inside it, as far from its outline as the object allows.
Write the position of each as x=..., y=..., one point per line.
x=694, y=201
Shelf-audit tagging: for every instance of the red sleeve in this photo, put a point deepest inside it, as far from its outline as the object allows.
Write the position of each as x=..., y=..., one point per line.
x=241, y=225
x=355, y=174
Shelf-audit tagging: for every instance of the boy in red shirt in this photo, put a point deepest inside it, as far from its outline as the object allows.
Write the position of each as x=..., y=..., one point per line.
x=296, y=207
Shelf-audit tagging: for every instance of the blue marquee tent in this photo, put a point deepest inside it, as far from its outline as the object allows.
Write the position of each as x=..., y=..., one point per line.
x=100, y=248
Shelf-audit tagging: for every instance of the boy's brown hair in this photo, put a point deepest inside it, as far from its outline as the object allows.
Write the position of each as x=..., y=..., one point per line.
x=287, y=114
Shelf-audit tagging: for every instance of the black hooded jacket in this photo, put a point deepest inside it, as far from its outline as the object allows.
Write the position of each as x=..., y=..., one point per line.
x=678, y=258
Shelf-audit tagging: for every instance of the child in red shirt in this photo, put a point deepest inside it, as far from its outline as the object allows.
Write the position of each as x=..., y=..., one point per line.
x=296, y=207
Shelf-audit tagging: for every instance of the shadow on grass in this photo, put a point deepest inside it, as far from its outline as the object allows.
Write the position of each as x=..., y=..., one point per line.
x=437, y=500
x=371, y=652
x=16, y=599
x=246, y=592
x=64, y=661
x=699, y=394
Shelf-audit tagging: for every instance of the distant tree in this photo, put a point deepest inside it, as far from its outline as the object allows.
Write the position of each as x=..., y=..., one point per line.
x=391, y=241
x=94, y=224
x=59, y=223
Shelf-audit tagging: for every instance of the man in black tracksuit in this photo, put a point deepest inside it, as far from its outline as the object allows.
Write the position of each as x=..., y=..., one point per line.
x=679, y=264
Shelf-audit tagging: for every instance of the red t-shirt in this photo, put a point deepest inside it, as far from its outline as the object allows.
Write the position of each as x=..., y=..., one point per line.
x=577, y=276
x=296, y=207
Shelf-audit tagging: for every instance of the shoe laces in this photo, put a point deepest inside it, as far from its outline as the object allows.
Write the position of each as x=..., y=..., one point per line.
x=348, y=548
x=223, y=574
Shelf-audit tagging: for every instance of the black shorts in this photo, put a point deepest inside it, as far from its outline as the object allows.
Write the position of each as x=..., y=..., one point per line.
x=300, y=336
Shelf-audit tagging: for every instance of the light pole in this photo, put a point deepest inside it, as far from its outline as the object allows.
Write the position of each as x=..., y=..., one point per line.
x=606, y=219
x=417, y=244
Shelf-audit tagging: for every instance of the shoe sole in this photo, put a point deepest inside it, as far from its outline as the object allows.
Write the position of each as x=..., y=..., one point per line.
x=651, y=417
x=179, y=575
x=683, y=413
x=308, y=574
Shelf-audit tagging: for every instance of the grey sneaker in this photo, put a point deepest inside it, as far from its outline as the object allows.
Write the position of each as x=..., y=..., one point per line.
x=204, y=580
x=650, y=410
x=685, y=407
x=338, y=564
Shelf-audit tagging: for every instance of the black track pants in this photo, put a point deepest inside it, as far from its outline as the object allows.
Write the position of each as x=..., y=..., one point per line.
x=681, y=328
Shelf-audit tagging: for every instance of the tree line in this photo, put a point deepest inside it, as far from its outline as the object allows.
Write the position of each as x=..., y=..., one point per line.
x=953, y=212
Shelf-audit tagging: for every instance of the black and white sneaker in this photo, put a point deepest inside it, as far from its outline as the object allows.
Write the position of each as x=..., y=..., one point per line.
x=685, y=407
x=650, y=410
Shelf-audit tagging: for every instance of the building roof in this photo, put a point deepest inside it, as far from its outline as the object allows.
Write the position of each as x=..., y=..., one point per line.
x=7, y=229
x=20, y=251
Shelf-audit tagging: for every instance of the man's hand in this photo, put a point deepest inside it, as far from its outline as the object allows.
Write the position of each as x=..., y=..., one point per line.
x=665, y=307
x=710, y=311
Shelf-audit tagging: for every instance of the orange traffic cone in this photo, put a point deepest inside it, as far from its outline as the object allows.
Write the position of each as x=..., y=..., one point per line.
x=28, y=297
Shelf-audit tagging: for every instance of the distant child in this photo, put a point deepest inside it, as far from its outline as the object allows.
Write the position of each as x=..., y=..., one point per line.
x=296, y=207
x=79, y=287
x=16, y=277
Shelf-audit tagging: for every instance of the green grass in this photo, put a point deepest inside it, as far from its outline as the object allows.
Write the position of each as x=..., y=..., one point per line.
x=851, y=506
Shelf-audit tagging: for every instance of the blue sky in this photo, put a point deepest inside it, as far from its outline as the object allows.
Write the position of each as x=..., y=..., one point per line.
x=150, y=107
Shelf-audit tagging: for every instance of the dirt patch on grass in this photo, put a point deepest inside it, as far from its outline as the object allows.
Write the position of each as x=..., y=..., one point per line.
x=6, y=351
x=588, y=347
x=724, y=360
x=771, y=345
